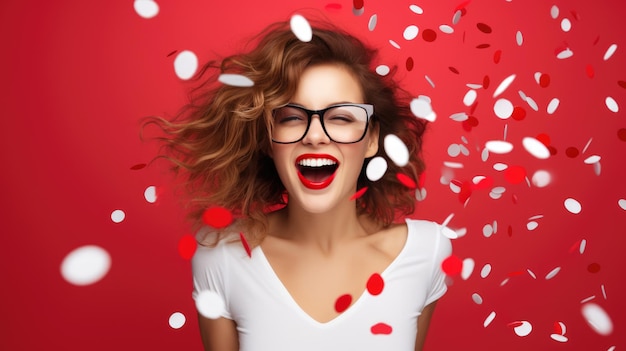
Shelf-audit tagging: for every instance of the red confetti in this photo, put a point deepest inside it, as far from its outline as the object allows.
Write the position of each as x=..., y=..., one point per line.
x=244, y=242
x=510, y=230
x=358, y=4
x=217, y=217
x=473, y=121
x=333, y=7
x=518, y=113
x=429, y=35
x=515, y=174
x=466, y=126
x=575, y=246
x=589, y=71
x=496, y=56
x=571, y=152
x=514, y=199
x=138, y=166
x=544, y=139
x=515, y=324
x=596, y=40
x=485, y=183
x=172, y=53
x=381, y=328
x=466, y=192
x=462, y=5
x=406, y=181
x=343, y=302
x=621, y=134
x=409, y=64
x=558, y=329
x=593, y=268
x=482, y=46
x=187, y=246
x=452, y=265
x=375, y=284
x=285, y=197
x=483, y=28
x=486, y=82
x=575, y=14
x=473, y=107
x=359, y=193
x=422, y=179
x=621, y=83
x=515, y=274
x=544, y=80
x=552, y=150
x=453, y=70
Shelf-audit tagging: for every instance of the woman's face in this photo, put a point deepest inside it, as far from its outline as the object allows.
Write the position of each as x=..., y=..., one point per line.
x=320, y=174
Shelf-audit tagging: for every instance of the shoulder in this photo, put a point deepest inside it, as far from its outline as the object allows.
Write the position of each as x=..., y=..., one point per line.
x=431, y=236
x=214, y=250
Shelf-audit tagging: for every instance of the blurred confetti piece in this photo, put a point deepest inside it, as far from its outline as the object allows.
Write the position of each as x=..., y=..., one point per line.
x=553, y=273
x=235, y=80
x=597, y=318
x=359, y=193
x=536, y=148
x=485, y=271
x=406, y=180
x=421, y=108
x=452, y=265
x=504, y=85
x=146, y=8
x=499, y=146
x=343, y=302
x=301, y=28
x=383, y=70
x=177, y=320
x=554, y=12
x=245, y=245
x=150, y=194
x=376, y=168
x=396, y=150
x=217, y=217
x=85, y=265
x=185, y=64
x=210, y=305
x=381, y=328
x=468, y=268
x=138, y=166
x=477, y=299
x=187, y=246
x=541, y=178
x=371, y=25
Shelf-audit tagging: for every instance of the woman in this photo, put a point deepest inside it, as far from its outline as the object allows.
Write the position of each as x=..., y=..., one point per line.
x=330, y=268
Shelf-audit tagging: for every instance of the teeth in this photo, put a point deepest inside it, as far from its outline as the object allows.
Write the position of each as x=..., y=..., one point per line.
x=316, y=162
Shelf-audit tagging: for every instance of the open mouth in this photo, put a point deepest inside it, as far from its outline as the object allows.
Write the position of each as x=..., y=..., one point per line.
x=316, y=171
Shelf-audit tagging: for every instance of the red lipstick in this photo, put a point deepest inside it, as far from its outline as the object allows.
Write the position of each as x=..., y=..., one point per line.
x=308, y=163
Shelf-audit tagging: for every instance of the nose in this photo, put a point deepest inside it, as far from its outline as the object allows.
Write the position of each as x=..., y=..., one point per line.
x=316, y=135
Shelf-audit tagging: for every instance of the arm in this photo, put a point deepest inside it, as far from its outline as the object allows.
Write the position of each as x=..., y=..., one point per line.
x=218, y=334
x=423, y=322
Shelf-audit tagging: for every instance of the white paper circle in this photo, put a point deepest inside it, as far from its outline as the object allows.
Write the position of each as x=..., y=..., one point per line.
x=572, y=205
x=185, y=64
x=553, y=105
x=85, y=265
x=622, y=204
x=504, y=85
x=383, y=70
x=477, y=299
x=597, y=319
x=566, y=25
x=470, y=97
x=611, y=104
x=301, y=28
x=396, y=150
x=503, y=108
x=524, y=329
x=371, y=25
x=541, y=178
x=150, y=194
x=468, y=268
x=499, y=146
x=235, y=80
x=117, y=216
x=485, y=271
x=376, y=168
x=177, y=320
x=422, y=108
x=410, y=32
x=146, y=8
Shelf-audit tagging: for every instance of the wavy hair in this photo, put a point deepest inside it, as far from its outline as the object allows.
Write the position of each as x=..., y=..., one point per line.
x=219, y=141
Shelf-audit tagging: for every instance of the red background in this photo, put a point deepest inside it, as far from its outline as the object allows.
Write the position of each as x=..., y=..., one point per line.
x=78, y=75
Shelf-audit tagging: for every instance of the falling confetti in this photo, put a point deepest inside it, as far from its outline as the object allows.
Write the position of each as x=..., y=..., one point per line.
x=187, y=246
x=235, y=80
x=85, y=265
x=597, y=318
x=301, y=28
x=146, y=8
x=177, y=320
x=117, y=216
x=343, y=302
x=217, y=217
x=185, y=64
x=375, y=284
x=381, y=329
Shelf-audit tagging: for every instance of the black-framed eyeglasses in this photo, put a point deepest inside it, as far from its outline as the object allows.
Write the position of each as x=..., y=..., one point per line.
x=342, y=123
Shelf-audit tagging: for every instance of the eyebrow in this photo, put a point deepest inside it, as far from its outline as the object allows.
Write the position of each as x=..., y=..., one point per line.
x=329, y=105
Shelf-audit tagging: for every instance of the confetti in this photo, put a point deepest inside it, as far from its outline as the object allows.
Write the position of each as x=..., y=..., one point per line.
x=375, y=284
x=485, y=271
x=468, y=268
x=566, y=25
x=409, y=64
x=564, y=54
x=343, y=302
x=519, y=38
x=376, y=168
x=301, y=28
x=610, y=51
x=622, y=204
x=553, y=105
x=592, y=159
x=452, y=265
x=185, y=64
x=536, y=148
x=235, y=80
x=589, y=71
x=611, y=104
x=541, y=178
x=394, y=44
x=429, y=35
x=499, y=146
x=553, y=273
x=421, y=108
x=572, y=205
x=444, y=28
x=416, y=9
x=489, y=319
x=150, y=194
x=146, y=8
x=383, y=70
x=410, y=32
x=210, y=305
x=522, y=328
x=245, y=245
x=381, y=329
x=483, y=28
x=217, y=217
x=177, y=320
x=504, y=85
x=359, y=193
x=371, y=25
x=117, y=216
x=85, y=265
x=396, y=150
x=406, y=181
x=470, y=97
x=138, y=166
x=477, y=299
x=187, y=246
x=597, y=319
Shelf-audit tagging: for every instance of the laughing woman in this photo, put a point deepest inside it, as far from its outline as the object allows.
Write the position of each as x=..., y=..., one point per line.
x=334, y=262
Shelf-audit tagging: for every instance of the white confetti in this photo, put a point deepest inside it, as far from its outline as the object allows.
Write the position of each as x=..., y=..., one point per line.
x=371, y=25
x=566, y=25
x=504, y=85
x=503, y=108
x=519, y=38
x=536, y=148
x=301, y=28
x=146, y=8
x=416, y=9
x=610, y=51
x=470, y=97
x=553, y=105
x=117, y=216
x=383, y=70
x=597, y=319
x=422, y=108
x=572, y=205
x=410, y=32
x=177, y=320
x=523, y=329
x=489, y=319
x=477, y=299
x=485, y=271
x=376, y=168
x=396, y=150
x=185, y=64
x=150, y=194
x=541, y=178
x=611, y=104
x=499, y=146
x=210, y=305
x=85, y=265
x=553, y=273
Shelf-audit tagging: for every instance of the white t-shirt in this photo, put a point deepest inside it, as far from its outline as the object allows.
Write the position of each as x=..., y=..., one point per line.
x=268, y=318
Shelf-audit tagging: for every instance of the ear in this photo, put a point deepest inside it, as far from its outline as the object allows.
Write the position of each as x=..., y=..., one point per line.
x=372, y=143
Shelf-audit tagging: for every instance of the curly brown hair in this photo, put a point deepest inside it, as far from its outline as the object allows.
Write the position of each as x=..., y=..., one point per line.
x=219, y=142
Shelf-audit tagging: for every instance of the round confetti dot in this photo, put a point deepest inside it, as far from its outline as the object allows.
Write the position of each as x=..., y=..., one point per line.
x=487, y=230
x=454, y=150
x=610, y=51
x=396, y=150
x=85, y=265
x=572, y=152
x=566, y=25
x=177, y=320
x=593, y=268
x=429, y=35
x=544, y=80
x=416, y=9
x=118, y=216
x=485, y=271
x=515, y=174
x=381, y=329
x=597, y=319
x=217, y=217
x=468, y=268
x=409, y=64
x=518, y=113
x=210, y=305
x=421, y=108
x=146, y=8
x=499, y=146
x=357, y=4
x=185, y=64
x=565, y=54
x=553, y=273
x=470, y=97
x=622, y=204
x=383, y=70
x=532, y=225
x=343, y=302
x=444, y=28
x=572, y=206
x=541, y=178
x=235, y=80
x=371, y=25
x=489, y=319
x=376, y=168
x=621, y=134
x=522, y=328
x=554, y=12
x=375, y=284
x=503, y=108
x=410, y=32
x=452, y=265
x=187, y=246
x=477, y=299
x=150, y=194
x=301, y=28
x=621, y=83
x=536, y=148
x=611, y=104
